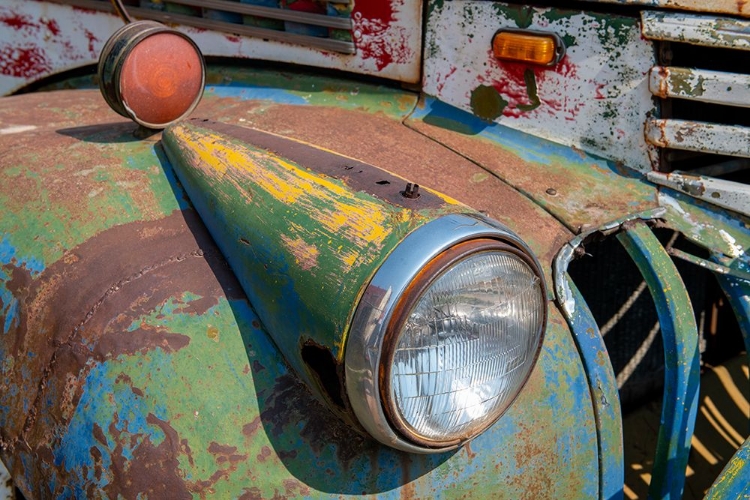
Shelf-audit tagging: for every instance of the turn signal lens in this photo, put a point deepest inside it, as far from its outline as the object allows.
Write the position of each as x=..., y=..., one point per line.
x=535, y=48
x=151, y=74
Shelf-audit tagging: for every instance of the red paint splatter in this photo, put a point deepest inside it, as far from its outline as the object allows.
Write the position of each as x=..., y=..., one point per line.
x=232, y=38
x=52, y=26
x=377, y=36
x=23, y=62
x=92, y=43
x=18, y=22
x=599, y=94
x=444, y=79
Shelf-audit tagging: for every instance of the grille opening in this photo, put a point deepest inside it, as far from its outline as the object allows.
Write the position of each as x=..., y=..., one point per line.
x=686, y=55
x=624, y=310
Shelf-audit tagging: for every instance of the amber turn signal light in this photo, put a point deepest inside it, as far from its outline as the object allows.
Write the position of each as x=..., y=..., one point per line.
x=545, y=49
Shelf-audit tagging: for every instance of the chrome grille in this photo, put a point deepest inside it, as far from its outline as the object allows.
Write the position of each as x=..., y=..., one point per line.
x=328, y=29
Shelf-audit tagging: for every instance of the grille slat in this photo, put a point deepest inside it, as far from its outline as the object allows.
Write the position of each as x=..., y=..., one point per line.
x=697, y=30
x=696, y=136
x=715, y=87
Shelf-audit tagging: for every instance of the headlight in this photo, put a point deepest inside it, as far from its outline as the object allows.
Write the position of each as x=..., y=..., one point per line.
x=446, y=334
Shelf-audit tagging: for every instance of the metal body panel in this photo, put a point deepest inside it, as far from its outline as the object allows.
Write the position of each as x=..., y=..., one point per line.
x=733, y=483
x=159, y=378
x=580, y=190
x=716, y=87
x=43, y=38
x=596, y=98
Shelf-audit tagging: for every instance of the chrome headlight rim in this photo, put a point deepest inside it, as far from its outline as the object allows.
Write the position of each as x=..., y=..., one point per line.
x=364, y=345
x=422, y=282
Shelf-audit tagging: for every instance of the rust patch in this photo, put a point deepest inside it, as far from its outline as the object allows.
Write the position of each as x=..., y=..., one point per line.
x=388, y=144
x=153, y=470
x=81, y=308
x=357, y=174
x=290, y=403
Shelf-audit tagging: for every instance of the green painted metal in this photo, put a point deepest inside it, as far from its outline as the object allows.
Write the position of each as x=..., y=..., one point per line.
x=681, y=359
x=303, y=243
x=133, y=364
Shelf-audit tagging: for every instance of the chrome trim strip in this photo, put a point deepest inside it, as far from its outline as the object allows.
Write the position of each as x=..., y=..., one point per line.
x=364, y=344
x=344, y=23
x=314, y=42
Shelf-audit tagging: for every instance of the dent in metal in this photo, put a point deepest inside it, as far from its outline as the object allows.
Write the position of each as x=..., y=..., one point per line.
x=564, y=294
x=688, y=135
x=715, y=87
x=726, y=194
x=698, y=30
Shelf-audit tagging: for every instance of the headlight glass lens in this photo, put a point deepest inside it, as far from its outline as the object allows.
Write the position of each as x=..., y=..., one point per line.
x=465, y=346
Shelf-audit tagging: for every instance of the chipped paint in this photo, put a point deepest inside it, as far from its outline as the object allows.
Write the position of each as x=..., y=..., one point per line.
x=710, y=31
x=171, y=386
x=688, y=135
x=387, y=36
x=715, y=87
x=602, y=79
x=726, y=194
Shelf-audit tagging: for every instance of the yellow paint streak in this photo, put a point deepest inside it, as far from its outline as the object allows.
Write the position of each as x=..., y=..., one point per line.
x=360, y=220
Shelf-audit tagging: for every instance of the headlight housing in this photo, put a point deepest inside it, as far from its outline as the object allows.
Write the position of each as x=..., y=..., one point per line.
x=446, y=334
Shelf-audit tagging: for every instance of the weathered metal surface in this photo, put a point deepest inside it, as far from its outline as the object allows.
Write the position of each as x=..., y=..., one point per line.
x=161, y=380
x=715, y=87
x=596, y=98
x=725, y=235
x=580, y=190
x=681, y=359
x=738, y=294
x=303, y=228
x=711, y=266
x=698, y=136
x=604, y=396
x=726, y=194
x=710, y=31
x=43, y=38
x=733, y=482
x=714, y=6
x=286, y=109
x=228, y=20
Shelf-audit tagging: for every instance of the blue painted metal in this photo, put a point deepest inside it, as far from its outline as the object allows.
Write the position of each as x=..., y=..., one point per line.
x=734, y=480
x=738, y=293
x=682, y=359
x=603, y=385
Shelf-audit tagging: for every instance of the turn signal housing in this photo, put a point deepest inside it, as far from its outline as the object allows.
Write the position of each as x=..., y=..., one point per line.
x=545, y=49
x=151, y=74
